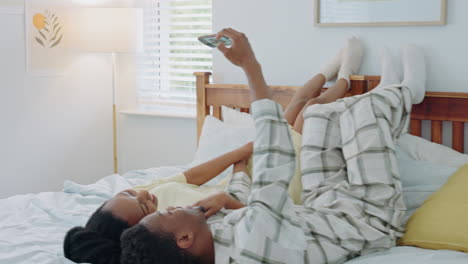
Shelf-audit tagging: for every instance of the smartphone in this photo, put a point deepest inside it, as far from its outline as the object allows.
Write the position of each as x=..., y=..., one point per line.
x=211, y=41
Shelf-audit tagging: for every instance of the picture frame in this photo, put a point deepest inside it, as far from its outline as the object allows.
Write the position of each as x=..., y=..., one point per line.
x=358, y=13
x=46, y=38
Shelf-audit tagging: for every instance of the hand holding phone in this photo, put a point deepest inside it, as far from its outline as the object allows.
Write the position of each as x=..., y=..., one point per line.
x=211, y=41
x=240, y=53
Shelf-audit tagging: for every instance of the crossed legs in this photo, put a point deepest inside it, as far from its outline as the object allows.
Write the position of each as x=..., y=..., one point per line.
x=330, y=154
x=309, y=95
x=345, y=63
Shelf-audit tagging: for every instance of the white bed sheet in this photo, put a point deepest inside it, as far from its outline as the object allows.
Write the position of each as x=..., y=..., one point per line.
x=32, y=227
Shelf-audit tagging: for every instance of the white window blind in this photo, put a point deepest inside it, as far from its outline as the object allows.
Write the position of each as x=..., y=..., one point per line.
x=172, y=50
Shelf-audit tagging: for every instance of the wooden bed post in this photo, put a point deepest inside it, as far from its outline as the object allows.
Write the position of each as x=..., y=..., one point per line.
x=458, y=140
x=203, y=78
x=416, y=127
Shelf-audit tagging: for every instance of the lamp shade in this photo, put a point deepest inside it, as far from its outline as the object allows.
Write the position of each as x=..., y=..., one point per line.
x=118, y=30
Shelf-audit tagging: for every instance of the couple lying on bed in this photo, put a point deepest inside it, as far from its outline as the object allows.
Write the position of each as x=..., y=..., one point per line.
x=352, y=197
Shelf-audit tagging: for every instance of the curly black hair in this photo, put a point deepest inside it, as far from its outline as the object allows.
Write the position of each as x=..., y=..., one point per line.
x=98, y=242
x=141, y=246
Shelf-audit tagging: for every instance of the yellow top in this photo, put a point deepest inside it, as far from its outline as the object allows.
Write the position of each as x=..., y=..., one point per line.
x=175, y=191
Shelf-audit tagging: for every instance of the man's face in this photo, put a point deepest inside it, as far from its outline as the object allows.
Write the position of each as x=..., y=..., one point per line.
x=174, y=219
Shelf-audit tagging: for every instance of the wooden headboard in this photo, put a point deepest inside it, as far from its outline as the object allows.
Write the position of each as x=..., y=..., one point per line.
x=437, y=107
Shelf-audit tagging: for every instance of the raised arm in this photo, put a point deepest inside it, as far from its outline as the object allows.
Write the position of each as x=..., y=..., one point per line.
x=242, y=55
x=204, y=172
x=274, y=156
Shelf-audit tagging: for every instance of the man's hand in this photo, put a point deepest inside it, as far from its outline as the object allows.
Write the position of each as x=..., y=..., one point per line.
x=218, y=201
x=240, y=53
x=213, y=203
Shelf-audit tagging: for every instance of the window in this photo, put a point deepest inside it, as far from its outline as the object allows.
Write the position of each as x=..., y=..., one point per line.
x=172, y=50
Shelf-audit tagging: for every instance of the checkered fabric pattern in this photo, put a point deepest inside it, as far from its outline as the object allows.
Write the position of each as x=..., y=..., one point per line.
x=239, y=186
x=351, y=189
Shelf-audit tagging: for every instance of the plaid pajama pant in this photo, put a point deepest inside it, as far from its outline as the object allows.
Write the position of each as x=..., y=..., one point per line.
x=348, y=163
x=351, y=189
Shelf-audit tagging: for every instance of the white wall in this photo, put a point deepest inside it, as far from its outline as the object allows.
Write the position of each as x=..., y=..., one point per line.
x=291, y=49
x=151, y=141
x=53, y=128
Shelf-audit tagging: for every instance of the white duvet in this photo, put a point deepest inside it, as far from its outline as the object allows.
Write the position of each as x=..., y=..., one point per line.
x=32, y=227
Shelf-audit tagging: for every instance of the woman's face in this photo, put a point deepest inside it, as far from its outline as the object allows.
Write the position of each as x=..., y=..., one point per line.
x=132, y=206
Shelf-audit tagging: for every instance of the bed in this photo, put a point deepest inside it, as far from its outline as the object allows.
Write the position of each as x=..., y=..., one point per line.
x=33, y=225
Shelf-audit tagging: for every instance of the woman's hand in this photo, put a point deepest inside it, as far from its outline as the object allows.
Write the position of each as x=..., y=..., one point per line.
x=213, y=203
x=240, y=53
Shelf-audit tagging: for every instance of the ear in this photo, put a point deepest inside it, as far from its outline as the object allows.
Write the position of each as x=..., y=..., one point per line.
x=185, y=239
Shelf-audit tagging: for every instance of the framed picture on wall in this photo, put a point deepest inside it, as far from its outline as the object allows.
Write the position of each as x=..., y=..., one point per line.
x=46, y=35
x=335, y=13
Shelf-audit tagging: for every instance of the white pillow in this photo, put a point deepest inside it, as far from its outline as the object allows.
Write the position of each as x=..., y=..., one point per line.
x=217, y=138
x=426, y=169
x=420, y=179
x=237, y=118
x=422, y=149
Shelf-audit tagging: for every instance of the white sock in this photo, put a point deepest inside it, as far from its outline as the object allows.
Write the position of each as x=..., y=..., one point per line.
x=352, y=59
x=330, y=70
x=389, y=71
x=414, y=70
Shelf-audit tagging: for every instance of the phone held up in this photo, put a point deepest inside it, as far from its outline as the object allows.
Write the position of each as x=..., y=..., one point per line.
x=211, y=41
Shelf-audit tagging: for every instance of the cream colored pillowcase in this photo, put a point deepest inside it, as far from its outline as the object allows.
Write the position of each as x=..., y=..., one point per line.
x=295, y=185
x=442, y=221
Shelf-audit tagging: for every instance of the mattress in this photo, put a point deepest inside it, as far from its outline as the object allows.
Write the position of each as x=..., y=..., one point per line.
x=33, y=226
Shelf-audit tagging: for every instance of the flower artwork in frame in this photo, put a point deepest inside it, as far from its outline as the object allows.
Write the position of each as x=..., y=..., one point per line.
x=46, y=35
x=338, y=13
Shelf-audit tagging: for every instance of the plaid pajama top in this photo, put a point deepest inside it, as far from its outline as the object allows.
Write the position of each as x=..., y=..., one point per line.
x=352, y=201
